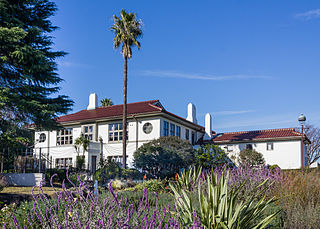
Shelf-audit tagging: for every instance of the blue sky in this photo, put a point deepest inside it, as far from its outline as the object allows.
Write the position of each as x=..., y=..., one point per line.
x=251, y=64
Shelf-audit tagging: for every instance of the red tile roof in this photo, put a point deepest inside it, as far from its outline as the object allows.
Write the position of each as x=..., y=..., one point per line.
x=152, y=106
x=112, y=111
x=257, y=135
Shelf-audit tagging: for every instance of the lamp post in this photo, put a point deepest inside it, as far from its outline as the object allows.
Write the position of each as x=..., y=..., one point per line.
x=302, y=119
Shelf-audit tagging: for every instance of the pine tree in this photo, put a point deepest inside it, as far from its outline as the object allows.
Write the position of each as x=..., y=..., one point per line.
x=28, y=77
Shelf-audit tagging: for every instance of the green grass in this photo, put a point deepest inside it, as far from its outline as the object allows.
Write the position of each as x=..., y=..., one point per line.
x=27, y=190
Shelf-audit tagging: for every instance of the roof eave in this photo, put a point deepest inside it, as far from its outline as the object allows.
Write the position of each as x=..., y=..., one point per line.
x=260, y=140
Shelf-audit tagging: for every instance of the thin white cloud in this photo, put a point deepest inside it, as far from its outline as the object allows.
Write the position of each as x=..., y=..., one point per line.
x=174, y=74
x=267, y=124
x=218, y=113
x=70, y=64
x=311, y=14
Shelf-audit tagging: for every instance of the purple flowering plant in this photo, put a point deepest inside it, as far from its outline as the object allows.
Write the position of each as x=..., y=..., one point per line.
x=78, y=207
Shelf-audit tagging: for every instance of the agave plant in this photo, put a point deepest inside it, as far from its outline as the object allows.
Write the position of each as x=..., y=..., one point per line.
x=188, y=179
x=220, y=207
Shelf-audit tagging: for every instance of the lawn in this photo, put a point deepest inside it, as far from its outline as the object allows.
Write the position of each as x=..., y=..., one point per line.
x=28, y=190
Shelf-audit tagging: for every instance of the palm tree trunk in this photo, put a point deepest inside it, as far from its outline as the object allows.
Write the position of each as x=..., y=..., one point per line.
x=124, y=119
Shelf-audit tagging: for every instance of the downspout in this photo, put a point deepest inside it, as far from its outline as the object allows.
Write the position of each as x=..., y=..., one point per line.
x=48, y=161
x=137, y=131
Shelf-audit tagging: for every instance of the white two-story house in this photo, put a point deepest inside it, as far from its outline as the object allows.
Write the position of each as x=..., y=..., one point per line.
x=147, y=120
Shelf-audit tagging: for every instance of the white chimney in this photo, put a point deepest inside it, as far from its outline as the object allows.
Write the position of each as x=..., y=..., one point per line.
x=208, y=127
x=93, y=101
x=192, y=113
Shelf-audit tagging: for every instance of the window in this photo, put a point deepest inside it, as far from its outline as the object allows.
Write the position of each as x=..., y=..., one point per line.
x=64, y=137
x=178, y=131
x=270, y=146
x=116, y=132
x=193, y=138
x=88, y=132
x=165, y=128
x=172, y=129
x=117, y=159
x=229, y=148
x=63, y=163
x=42, y=137
x=187, y=134
x=147, y=128
x=249, y=146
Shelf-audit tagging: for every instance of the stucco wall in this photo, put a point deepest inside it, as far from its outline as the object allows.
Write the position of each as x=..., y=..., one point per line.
x=109, y=148
x=285, y=154
x=24, y=179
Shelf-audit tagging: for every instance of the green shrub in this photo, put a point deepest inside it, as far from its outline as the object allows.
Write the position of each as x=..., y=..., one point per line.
x=61, y=175
x=164, y=199
x=220, y=207
x=274, y=167
x=211, y=156
x=132, y=174
x=250, y=157
x=119, y=184
x=164, y=157
x=80, y=160
x=3, y=182
x=73, y=177
x=110, y=171
x=152, y=186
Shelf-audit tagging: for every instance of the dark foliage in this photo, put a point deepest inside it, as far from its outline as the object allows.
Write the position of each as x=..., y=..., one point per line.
x=28, y=78
x=251, y=158
x=211, y=156
x=164, y=157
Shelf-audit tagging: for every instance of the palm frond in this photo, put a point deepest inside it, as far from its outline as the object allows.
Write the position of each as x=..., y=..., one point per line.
x=127, y=30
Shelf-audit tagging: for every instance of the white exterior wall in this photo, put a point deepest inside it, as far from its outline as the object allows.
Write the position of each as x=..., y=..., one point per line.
x=286, y=154
x=101, y=130
x=183, y=130
x=115, y=148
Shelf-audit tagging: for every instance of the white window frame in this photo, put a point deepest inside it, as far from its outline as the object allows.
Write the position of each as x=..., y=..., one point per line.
x=65, y=137
x=165, y=128
x=115, y=132
x=268, y=146
x=229, y=148
x=172, y=129
x=178, y=131
x=63, y=163
x=187, y=135
x=193, y=137
x=88, y=131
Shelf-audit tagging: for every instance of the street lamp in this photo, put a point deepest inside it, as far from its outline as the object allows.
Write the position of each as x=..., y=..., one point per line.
x=302, y=119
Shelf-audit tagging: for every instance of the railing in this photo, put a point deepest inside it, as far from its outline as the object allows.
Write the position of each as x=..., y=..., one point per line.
x=23, y=160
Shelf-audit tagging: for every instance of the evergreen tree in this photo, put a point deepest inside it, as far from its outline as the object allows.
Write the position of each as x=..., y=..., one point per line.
x=28, y=77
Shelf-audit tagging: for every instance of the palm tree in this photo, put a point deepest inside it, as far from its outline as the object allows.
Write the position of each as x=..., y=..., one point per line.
x=81, y=142
x=127, y=29
x=106, y=102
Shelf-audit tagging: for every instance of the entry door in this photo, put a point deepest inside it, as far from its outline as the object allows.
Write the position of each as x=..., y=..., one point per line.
x=93, y=164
